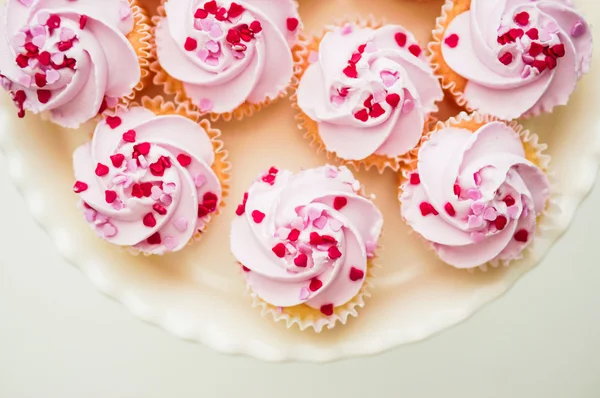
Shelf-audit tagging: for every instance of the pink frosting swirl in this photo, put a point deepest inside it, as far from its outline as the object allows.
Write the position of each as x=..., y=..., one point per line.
x=146, y=181
x=370, y=91
x=520, y=57
x=227, y=53
x=475, y=196
x=71, y=58
x=305, y=238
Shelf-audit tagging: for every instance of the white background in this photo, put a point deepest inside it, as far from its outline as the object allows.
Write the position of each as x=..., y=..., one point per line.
x=61, y=338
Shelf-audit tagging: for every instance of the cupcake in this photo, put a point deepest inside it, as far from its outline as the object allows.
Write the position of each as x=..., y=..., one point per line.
x=306, y=243
x=72, y=59
x=476, y=190
x=510, y=60
x=227, y=58
x=366, y=93
x=152, y=177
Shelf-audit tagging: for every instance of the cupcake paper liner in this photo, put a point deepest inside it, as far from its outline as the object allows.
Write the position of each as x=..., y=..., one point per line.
x=175, y=88
x=221, y=166
x=310, y=46
x=534, y=152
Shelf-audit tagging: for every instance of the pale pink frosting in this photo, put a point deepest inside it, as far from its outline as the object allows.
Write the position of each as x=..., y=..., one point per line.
x=475, y=196
x=370, y=91
x=283, y=267
x=520, y=57
x=227, y=53
x=153, y=193
x=71, y=58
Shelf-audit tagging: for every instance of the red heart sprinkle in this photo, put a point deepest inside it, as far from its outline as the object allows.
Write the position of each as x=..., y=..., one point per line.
x=255, y=27
x=246, y=269
x=376, y=111
x=53, y=21
x=327, y=309
x=258, y=216
x=146, y=188
x=415, y=179
x=522, y=18
x=149, y=220
x=157, y=168
x=101, y=170
x=221, y=14
x=515, y=33
x=154, y=239
x=211, y=7
x=184, y=159
x=269, y=179
x=301, y=260
x=40, y=79
x=558, y=50
x=427, y=209
x=452, y=40
x=361, y=48
x=279, y=250
x=22, y=61
x=190, y=44
x=415, y=50
x=210, y=196
x=292, y=24
x=114, y=122
x=233, y=36
x=450, y=209
x=533, y=34
x=235, y=10
x=159, y=209
x=293, y=235
x=355, y=58
x=44, y=58
x=80, y=186
x=117, y=159
x=83, y=21
x=315, y=284
x=362, y=115
x=400, y=38
x=456, y=189
x=368, y=102
x=350, y=71
x=110, y=196
x=500, y=222
x=535, y=49
x=136, y=191
x=65, y=45
x=315, y=238
x=241, y=209
x=339, y=202
x=44, y=96
x=551, y=62
x=334, y=253
x=506, y=58
x=539, y=65
x=522, y=236
x=328, y=239
x=201, y=13
x=356, y=274
x=509, y=200
x=392, y=99
x=202, y=211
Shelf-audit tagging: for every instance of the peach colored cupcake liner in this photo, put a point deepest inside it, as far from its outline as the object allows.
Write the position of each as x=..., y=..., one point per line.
x=221, y=166
x=534, y=152
x=309, y=47
x=306, y=317
x=175, y=88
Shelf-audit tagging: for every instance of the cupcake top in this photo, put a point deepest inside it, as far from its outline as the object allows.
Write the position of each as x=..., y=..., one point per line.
x=146, y=181
x=71, y=58
x=370, y=91
x=519, y=57
x=227, y=53
x=475, y=196
x=305, y=238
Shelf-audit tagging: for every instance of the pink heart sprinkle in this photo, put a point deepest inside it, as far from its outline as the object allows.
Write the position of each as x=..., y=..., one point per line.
x=475, y=222
x=474, y=194
x=156, y=192
x=124, y=12
x=408, y=105
x=552, y=27
x=513, y=212
x=212, y=61
x=58, y=58
x=119, y=179
x=337, y=100
x=171, y=243
x=181, y=224
x=389, y=78
x=379, y=96
x=100, y=219
x=346, y=29
x=25, y=81
x=215, y=31
x=90, y=215
x=304, y=247
x=477, y=237
x=282, y=232
x=117, y=205
x=320, y=222
x=526, y=72
x=335, y=224
x=169, y=188
x=298, y=224
x=66, y=34
x=331, y=171
x=205, y=105
x=33, y=63
x=203, y=54
x=490, y=214
x=544, y=35
x=109, y=230
x=19, y=39
x=128, y=182
x=323, y=247
x=43, y=17
x=578, y=29
x=304, y=294
x=477, y=208
x=132, y=166
x=143, y=161
x=313, y=57
x=290, y=248
x=199, y=180
x=37, y=30
x=166, y=199
x=212, y=46
x=477, y=178
x=207, y=24
x=52, y=76
x=313, y=213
